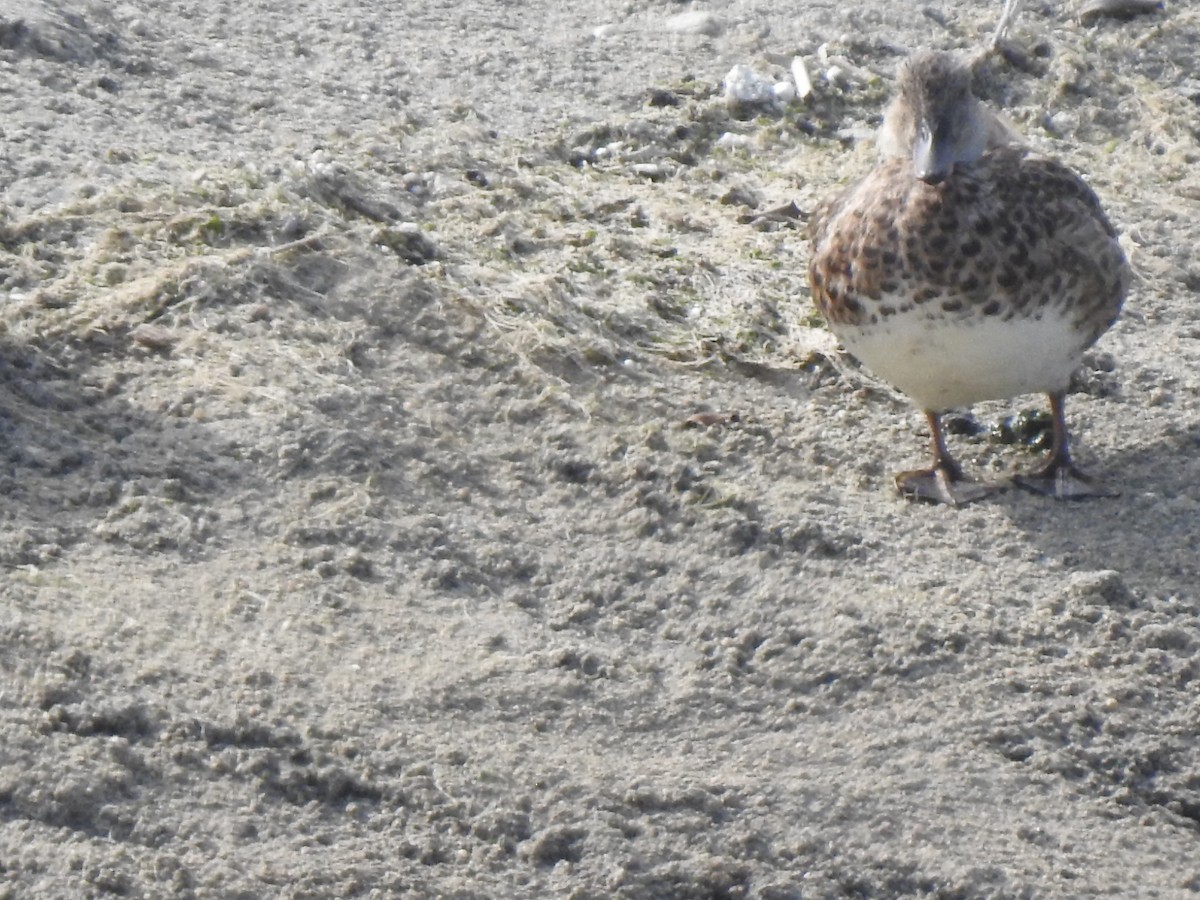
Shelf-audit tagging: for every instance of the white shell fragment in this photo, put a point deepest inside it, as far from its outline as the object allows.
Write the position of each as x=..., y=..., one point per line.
x=800, y=76
x=746, y=88
x=840, y=71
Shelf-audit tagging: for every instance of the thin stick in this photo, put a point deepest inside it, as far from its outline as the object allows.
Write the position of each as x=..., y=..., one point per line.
x=1008, y=18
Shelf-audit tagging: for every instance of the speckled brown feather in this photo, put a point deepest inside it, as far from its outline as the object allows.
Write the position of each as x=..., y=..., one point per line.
x=1010, y=235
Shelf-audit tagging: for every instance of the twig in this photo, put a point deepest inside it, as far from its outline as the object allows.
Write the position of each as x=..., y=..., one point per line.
x=1008, y=18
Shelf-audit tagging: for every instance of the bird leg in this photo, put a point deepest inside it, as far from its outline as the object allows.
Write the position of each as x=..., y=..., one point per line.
x=1058, y=477
x=943, y=482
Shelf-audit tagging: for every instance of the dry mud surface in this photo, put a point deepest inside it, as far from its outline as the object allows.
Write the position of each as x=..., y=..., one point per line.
x=352, y=542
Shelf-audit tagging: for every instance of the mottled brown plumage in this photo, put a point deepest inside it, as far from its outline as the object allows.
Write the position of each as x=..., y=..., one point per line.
x=965, y=268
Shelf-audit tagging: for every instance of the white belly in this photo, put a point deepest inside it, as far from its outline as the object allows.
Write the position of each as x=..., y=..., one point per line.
x=945, y=363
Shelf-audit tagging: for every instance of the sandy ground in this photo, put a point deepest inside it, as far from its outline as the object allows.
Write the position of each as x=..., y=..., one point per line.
x=353, y=543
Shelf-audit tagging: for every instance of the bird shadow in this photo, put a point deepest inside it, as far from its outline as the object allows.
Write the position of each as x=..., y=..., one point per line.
x=1150, y=533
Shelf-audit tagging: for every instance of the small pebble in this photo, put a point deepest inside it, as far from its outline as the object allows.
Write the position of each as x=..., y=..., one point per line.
x=653, y=171
x=153, y=337
x=732, y=141
x=695, y=22
x=709, y=419
x=1122, y=10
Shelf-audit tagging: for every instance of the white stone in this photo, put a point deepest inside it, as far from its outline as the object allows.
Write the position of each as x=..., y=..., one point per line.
x=696, y=21
x=653, y=171
x=745, y=87
x=732, y=141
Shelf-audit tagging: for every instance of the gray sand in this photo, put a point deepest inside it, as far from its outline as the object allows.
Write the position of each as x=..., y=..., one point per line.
x=353, y=542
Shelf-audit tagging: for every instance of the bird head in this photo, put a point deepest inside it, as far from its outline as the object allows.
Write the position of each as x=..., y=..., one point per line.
x=934, y=118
